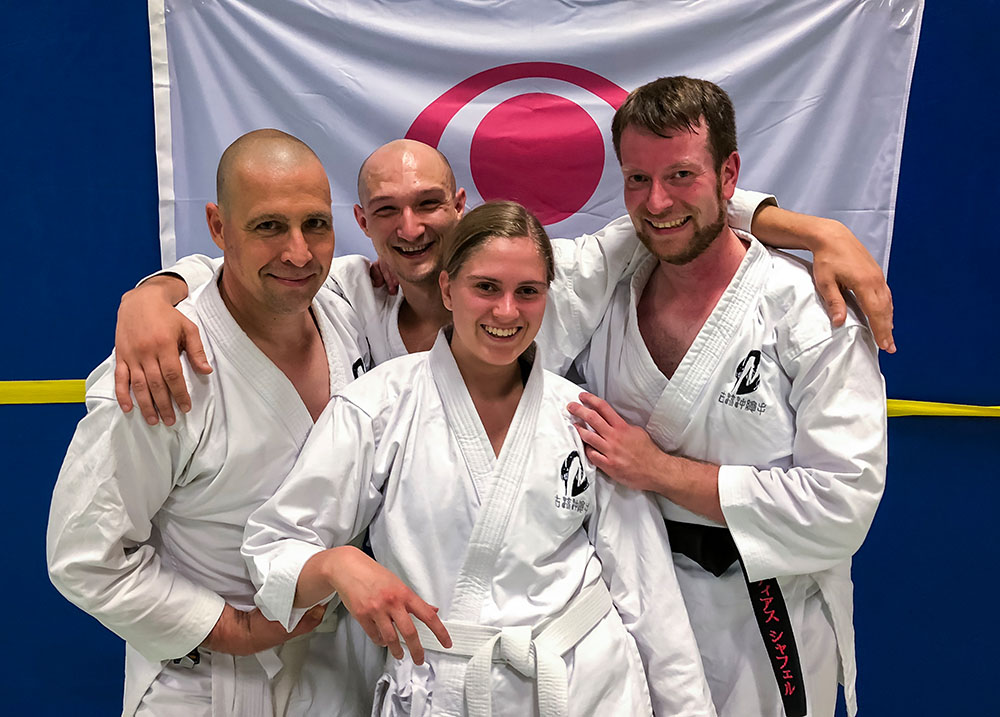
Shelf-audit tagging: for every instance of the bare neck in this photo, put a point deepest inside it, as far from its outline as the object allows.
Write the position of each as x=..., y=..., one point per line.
x=702, y=282
x=421, y=315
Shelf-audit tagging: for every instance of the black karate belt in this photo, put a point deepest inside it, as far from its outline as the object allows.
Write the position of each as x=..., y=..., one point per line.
x=714, y=549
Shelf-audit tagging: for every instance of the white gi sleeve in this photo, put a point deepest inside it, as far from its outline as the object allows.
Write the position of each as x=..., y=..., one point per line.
x=350, y=277
x=631, y=540
x=195, y=269
x=815, y=514
x=587, y=270
x=329, y=497
x=117, y=474
x=742, y=207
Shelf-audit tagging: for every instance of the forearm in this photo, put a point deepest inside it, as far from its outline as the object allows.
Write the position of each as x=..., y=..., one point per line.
x=318, y=579
x=693, y=485
x=169, y=288
x=784, y=229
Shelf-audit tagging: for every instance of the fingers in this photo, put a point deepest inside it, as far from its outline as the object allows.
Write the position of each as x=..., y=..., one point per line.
x=141, y=392
x=603, y=409
x=121, y=385
x=195, y=351
x=877, y=305
x=592, y=439
x=589, y=416
x=428, y=615
x=405, y=627
x=156, y=383
x=309, y=621
x=388, y=635
x=833, y=298
x=375, y=272
x=391, y=281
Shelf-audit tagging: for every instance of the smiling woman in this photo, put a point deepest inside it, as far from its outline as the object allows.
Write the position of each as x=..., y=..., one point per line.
x=466, y=469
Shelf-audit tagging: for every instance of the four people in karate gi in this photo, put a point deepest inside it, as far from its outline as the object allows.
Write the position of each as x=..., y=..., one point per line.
x=408, y=203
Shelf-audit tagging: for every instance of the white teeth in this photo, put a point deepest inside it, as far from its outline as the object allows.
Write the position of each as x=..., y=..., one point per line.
x=668, y=225
x=412, y=249
x=500, y=333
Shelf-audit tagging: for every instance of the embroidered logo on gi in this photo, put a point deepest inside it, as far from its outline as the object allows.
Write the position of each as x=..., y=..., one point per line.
x=358, y=368
x=747, y=375
x=574, y=480
x=747, y=381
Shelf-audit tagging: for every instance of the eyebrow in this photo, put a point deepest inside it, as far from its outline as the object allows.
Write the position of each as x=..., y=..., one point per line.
x=432, y=193
x=483, y=277
x=278, y=217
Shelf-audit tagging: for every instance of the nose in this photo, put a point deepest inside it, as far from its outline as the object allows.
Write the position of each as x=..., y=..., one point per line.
x=410, y=226
x=505, y=308
x=659, y=199
x=297, y=250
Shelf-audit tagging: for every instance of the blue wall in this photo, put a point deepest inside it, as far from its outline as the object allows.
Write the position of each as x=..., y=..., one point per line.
x=80, y=188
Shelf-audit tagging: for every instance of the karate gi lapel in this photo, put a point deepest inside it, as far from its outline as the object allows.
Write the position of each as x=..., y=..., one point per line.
x=273, y=387
x=498, y=484
x=675, y=407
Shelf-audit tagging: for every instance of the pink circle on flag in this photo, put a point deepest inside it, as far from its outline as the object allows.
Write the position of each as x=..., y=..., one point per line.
x=540, y=149
x=543, y=151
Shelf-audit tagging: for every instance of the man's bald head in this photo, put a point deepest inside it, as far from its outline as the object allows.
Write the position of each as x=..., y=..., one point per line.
x=262, y=148
x=407, y=154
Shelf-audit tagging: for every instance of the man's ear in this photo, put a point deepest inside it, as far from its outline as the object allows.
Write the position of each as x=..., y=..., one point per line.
x=213, y=215
x=360, y=218
x=729, y=174
x=460, y=201
x=444, y=281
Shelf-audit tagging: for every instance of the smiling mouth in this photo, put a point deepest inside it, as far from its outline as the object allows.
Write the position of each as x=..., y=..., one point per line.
x=499, y=333
x=292, y=281
x=669, y=225
x=411, y=251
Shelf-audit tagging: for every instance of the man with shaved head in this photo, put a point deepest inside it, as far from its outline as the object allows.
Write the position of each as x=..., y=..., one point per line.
x=146, y=521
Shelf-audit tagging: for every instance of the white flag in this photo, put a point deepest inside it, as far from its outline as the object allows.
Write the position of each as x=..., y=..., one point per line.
x=520, y=95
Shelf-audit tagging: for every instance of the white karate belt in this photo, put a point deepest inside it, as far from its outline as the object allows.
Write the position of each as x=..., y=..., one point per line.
x=534, y=653
x=243, y=687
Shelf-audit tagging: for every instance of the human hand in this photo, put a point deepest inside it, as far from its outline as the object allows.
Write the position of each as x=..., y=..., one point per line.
x=246, y=633
x=382, y=275
x=624, y=452
x=841, y=263
x=149, y=336
x=382, y=603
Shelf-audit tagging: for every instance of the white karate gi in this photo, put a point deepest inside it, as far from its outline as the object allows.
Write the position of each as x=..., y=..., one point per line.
x=801, y=438
x=146, y=524
x=502, y=542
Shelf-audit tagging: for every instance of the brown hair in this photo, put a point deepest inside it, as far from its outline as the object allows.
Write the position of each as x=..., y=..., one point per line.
x=674, y=103
x=507, y=220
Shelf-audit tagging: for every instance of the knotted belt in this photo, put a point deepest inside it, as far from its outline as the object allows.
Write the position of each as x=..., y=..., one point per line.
x=532, y=652
x=714, y=549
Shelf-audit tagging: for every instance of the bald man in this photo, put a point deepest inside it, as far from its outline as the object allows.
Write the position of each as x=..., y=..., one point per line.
x=146, y=521
x=408, y=199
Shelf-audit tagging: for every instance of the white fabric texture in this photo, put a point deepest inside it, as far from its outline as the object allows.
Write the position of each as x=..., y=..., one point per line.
x=146, y=521
x=504, y=541
x=800, y=433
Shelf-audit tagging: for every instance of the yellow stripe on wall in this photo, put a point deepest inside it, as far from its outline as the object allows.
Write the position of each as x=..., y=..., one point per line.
x=898, y=407
x=72, y=391
x=67, y=391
